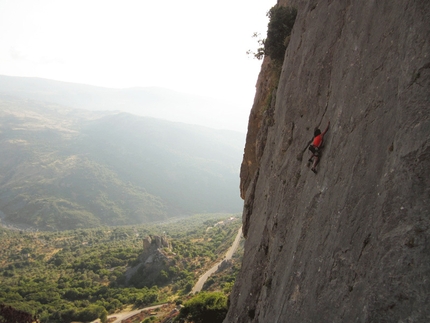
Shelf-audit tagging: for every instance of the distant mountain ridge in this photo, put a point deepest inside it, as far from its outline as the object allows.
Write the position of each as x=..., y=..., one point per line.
x=143, y=101
x=64, y=168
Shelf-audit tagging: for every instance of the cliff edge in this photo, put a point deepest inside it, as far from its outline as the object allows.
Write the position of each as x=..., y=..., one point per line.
x=350, y=243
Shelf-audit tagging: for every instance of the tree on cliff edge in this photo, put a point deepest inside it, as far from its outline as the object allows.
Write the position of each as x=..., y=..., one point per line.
x=281, y=22
x=278, y=31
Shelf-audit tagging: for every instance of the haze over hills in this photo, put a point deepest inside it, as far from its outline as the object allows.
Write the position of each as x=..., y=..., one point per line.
x=64, y=168
x=148, y=101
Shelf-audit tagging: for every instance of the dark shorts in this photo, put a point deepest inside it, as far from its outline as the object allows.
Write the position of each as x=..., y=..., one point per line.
x=315, y=151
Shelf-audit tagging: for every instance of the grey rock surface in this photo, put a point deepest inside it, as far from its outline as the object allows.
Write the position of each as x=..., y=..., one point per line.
x=153, y=258
x=352, y=242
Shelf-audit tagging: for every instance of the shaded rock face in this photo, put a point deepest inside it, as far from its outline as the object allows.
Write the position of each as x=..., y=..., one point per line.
x=226, y=263
x=153, y=242
x=153, y=259
x=351, y=243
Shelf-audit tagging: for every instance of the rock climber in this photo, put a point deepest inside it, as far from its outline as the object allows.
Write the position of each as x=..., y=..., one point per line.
x=316, y=147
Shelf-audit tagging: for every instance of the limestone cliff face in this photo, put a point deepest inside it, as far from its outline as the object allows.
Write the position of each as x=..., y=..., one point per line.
x=351, y=243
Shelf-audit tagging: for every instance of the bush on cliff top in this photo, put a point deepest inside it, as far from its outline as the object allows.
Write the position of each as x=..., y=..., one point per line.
x=281, y=22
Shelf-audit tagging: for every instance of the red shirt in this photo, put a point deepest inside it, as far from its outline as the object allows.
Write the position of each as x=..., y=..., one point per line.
x=318, y=140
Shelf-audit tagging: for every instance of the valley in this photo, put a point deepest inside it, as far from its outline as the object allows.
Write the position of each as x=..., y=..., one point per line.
x=105, y=212
x=80, y=275
x=64, y=168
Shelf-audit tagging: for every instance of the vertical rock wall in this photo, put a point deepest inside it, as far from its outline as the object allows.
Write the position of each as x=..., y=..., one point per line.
x=351, y=243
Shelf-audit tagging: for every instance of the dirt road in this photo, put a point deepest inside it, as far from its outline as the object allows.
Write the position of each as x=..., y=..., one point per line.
x=199, y=285
x=125, y=315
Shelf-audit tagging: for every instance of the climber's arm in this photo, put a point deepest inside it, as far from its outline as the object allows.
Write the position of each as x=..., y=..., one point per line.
x=326, y=129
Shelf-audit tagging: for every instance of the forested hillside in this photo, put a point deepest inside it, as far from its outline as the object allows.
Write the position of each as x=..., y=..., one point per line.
x=64, y=168
x=81, y=275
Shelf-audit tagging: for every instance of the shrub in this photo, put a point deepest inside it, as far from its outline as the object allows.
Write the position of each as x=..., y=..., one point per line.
x=281, y=22
x=204, y=308
x=10, y=314
x=91, y=313
x=279, y=29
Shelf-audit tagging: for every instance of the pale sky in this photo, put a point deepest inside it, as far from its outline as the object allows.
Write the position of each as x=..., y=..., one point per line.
x=191, y=46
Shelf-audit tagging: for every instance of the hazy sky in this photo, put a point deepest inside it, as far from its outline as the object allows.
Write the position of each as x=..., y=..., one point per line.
x=190, y=46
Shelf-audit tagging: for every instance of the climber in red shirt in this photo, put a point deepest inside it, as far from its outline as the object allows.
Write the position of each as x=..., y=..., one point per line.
x=316, y=147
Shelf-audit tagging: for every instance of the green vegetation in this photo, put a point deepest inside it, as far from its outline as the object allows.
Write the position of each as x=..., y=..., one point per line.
x=80, y=275
x=279, y=30
x=205, y=307
x=281, y=22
